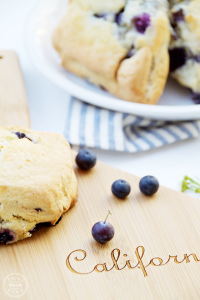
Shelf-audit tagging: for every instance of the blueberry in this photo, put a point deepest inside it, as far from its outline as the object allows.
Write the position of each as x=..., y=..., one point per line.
x=103, y=231
x=149, y=185
x=121, y=189
x=197, y=58
x=131, y=53
x=86, y=159
x=6, y=235
x=142, y=22
x=118, y=16
x=22, y=135
x=196, y=97
x=178, y=15
x=177, y=58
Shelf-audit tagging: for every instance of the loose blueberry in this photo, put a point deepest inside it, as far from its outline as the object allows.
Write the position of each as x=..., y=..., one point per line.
x=86, y=159
x=103, y=231
x=177, y=58
x=6, y=235
x=121, y=189
x=149, y=185
x=142, y=22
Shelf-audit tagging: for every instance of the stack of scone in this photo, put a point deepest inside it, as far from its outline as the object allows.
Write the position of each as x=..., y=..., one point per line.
x=123, y=46
x=37, y=181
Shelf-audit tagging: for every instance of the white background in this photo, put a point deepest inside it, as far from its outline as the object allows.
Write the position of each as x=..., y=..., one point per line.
x=48, y=107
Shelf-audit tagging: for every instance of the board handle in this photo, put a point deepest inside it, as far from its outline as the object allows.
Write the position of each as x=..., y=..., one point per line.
x=13, y=100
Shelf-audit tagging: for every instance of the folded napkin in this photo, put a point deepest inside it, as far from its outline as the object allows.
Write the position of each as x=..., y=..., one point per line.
x=95, y=127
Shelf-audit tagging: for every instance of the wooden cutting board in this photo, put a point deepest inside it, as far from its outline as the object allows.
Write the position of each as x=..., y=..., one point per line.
x=155, y=253
x=13, y=102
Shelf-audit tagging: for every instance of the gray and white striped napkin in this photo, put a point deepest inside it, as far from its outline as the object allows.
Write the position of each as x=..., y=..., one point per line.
x=95, y=127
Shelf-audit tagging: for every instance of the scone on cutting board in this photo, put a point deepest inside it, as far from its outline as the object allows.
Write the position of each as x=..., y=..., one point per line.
x=118, y=45
x=37, y=181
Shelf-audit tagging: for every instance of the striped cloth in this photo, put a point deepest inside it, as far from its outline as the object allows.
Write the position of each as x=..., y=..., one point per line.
x=95, y=127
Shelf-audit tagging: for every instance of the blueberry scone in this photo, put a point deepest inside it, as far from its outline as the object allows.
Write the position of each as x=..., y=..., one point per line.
x=185, y=44
x=37, y=181
x=119, y=45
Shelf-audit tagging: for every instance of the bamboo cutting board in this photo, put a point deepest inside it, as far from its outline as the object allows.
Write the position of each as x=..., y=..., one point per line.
x=13, y=102
x=155, y=253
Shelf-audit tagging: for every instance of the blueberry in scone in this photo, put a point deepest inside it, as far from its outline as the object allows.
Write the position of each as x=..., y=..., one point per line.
x=120, y=45
x=37, y=181
x=185, y=44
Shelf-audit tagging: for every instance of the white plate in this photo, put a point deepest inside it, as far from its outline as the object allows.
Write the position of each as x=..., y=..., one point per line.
x=175, y=104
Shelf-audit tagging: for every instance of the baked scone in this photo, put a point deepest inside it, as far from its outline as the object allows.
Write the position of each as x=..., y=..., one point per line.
x=37, y=181
x=185, y=44
x=118, y=45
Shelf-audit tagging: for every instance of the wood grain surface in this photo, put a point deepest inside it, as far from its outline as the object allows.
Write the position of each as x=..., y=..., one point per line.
x=166, y=224
x=13, y=102
x=149, y=231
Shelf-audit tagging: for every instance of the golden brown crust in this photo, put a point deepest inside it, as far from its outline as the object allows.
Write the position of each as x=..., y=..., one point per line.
x=72, y=42
x=37, y=180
